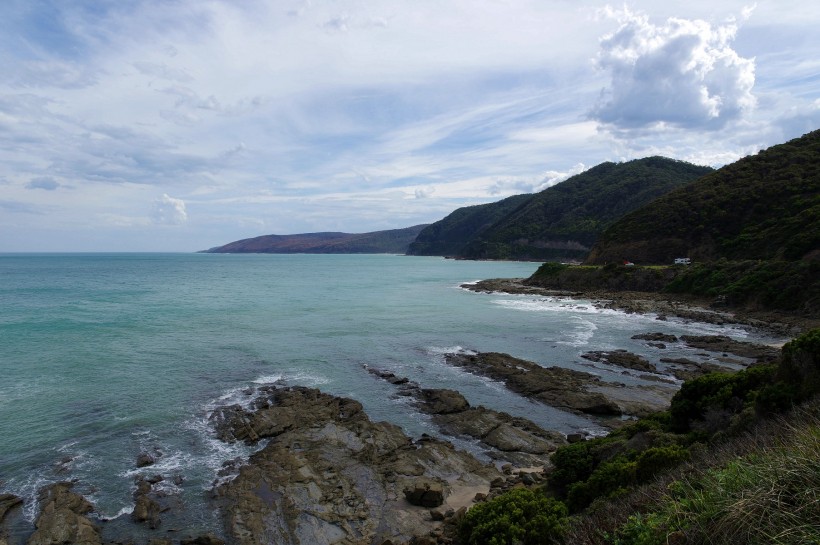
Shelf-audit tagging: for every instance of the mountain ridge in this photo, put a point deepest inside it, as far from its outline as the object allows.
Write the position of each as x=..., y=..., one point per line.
x=394, y=241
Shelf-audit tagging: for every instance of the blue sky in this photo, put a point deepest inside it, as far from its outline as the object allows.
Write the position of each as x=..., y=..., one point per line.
x=177, y=125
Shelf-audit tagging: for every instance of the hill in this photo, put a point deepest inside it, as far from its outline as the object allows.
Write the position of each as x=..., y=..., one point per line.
x=762, y=207
x=450, y=235
x=561, y=222
x=394, y=241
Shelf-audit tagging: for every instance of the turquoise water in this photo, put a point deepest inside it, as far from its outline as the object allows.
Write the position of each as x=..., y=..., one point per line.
x=106, y=356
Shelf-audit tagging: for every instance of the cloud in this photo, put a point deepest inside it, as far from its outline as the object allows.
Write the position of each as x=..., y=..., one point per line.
x=424, y=192
x=553, y=177
x=682, y=73
x=169, y=211
x=49, y=184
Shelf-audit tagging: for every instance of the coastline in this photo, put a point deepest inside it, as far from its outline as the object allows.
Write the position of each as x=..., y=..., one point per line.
x=663, y=304
x=301, y=472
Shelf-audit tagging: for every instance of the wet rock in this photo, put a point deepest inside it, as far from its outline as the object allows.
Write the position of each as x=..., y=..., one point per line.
x=7, y=503
x=145, y=459
x=722, y=343
x=555, y=386
x=62, y=518
x=333, y=476
x=146, y=509
x=657, y=337
x=621, y=358
x=439, y=401
x=575, y=437
x=207, y=539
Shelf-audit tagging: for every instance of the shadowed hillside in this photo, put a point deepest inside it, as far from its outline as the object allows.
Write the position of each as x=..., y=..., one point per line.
x=394, y=241
x=765, y=206
x=560, y=223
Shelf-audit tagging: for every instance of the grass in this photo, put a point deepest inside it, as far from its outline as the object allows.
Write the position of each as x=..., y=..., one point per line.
x=760, y=488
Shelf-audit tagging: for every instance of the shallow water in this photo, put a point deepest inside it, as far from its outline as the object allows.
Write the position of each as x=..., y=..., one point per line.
x=105, y=356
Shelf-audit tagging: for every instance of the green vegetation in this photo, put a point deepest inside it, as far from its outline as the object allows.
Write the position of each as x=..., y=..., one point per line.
x=559, y=223
x=758, y=494
x=765, y=206
x=782, y=285
x=448, y=236
x=522, y=516
x=768, y=497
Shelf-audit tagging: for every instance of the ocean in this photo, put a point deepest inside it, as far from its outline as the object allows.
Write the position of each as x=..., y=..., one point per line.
x=106, y=356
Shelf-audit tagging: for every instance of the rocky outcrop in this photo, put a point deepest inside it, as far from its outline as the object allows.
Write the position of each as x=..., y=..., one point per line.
x=62, y=518
x=8, y=503
x=621, y=358
x=329, y=475
x=656, y=337
x=555, y=386
x=724, y=344
x=507, y=438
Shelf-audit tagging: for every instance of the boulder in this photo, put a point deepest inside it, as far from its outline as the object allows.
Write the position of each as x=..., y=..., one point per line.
x=62, y=520
x=144, y=459
x=425, y=494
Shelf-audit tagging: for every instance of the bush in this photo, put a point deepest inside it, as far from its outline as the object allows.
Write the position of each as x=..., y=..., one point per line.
x=521, y=516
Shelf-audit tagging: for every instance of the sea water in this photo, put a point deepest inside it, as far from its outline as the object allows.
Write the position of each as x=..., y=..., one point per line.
x=106, y=356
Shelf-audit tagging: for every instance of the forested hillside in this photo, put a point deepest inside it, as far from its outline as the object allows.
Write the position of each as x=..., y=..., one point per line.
x=560, y=223
x=765, y=206
x=449, y=236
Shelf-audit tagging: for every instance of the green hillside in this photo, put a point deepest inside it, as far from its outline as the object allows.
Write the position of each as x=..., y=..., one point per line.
x=765, y=206
x=449, y=236
x=560, y=223
x=565, y=220
x=394, y=241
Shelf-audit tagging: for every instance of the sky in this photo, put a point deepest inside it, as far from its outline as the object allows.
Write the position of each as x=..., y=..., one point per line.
x=180, y=125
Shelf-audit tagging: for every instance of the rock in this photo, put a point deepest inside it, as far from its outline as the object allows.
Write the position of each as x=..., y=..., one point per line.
x=425, y=494
x=575, y=437
x=722, y=343
x=145, y=459
x=662, y=337
x=621, y=358
x=555, y=386
x=512, y=439
x=207, y=539
x=439, y=401
x=146, y=509
x=436, y=514
x=329, y=475
x=7, y=503
x=62, y=519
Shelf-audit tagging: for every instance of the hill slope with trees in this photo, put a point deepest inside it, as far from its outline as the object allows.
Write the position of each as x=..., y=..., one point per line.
x=561, y=222
x=765, y=206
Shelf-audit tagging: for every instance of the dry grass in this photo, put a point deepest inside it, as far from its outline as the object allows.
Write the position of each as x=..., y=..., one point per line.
x=760, y=487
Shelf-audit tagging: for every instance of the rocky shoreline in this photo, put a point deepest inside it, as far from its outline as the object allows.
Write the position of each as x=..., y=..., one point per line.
x=323, y=472
x=662, y=304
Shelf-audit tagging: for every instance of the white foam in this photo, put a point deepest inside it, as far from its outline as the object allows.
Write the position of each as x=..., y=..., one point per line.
x=306, y=379
x=444, y=350
x=268, y=379
x=581, y=333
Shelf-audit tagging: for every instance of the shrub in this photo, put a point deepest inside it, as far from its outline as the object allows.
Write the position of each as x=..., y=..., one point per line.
x=521, y=516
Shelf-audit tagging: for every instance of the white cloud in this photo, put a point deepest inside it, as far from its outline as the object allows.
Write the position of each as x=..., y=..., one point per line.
x=169, y=211
x=681, y=73
x=553, y=177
